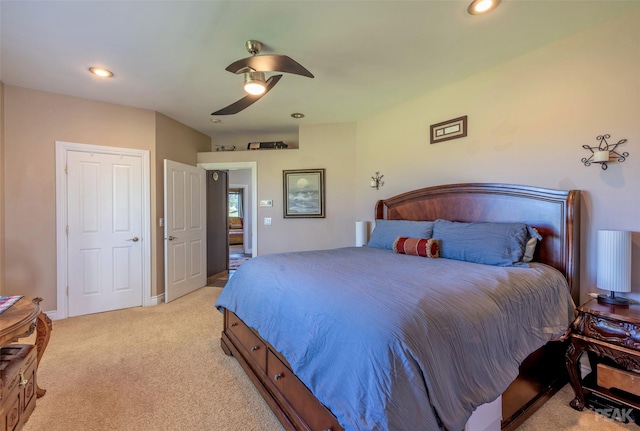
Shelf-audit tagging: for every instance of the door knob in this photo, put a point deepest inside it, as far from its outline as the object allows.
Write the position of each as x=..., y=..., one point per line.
x=134, y=239
x=171, y=237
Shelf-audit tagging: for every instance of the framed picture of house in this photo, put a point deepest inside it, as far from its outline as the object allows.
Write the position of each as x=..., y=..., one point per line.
x=303, y=193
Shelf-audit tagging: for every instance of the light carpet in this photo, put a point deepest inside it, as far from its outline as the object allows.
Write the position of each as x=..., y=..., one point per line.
x=161, y=368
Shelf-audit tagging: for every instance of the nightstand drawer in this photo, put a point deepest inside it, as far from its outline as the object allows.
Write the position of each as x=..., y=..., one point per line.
x=609, y=377
x=611, y=330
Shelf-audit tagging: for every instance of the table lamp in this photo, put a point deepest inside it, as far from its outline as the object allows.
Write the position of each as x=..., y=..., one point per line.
x=362, y=233
x=614, y=265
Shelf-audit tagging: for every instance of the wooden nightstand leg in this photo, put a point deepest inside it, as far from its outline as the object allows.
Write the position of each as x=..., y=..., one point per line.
x=573, y=367
x=43, y=333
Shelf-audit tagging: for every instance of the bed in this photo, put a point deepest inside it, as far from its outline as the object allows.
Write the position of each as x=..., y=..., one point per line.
x=310, y=382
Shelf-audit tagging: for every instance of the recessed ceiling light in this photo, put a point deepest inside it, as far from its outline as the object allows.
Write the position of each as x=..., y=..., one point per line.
x=215, y=120
x=99, y=71
x=478, y=7
x=297, y=115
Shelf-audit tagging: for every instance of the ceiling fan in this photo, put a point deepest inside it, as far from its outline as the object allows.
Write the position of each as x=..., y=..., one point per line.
x=253, y=69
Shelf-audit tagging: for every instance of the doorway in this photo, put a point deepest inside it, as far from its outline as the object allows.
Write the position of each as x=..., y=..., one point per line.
x=217, y=224
x=250, y=198
x=102, y=221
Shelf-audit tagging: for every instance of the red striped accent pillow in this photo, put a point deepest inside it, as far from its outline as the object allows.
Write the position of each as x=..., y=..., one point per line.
x=425, y=247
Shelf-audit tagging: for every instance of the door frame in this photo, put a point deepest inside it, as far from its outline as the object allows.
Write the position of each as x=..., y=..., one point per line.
x=62, y=148
x=253, y=166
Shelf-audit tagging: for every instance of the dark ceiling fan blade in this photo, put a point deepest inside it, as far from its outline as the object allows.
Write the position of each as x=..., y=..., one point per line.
x=269, y=63
x=247, y=101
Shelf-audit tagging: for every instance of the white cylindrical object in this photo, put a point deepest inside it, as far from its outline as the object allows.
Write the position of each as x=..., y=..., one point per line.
x=600, y=156
x=614, y=260
x=362, y=233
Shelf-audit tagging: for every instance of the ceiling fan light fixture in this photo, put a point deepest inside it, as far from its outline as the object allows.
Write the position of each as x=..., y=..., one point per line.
x=101, y=72
x=254, y=83
x=479, y=7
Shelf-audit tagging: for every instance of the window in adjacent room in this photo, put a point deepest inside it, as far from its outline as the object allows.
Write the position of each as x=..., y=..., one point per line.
x=235, y=203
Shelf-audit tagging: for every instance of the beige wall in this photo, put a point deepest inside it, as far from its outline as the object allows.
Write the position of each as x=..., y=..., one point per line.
x=330, y=146
x=528, y=121
x=34, y=121
x=241, y=140
x=177, y=142
x=2, y=188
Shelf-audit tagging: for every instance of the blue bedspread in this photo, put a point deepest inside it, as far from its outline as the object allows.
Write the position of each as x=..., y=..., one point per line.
x=396, y=342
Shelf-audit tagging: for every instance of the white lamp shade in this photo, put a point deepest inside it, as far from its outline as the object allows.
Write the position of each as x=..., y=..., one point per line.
x=614, y=260
x=362, y=233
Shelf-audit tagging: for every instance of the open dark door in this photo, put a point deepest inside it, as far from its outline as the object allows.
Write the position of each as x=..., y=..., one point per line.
x=217, y=223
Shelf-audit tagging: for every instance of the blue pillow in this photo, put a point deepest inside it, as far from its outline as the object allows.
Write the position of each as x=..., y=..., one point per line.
x=500, y=244
x=386, y=232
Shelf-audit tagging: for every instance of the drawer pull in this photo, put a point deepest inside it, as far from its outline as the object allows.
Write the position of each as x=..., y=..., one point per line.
x=278, y=376
x=234, y=324
x=254, y=348
x=23, y=381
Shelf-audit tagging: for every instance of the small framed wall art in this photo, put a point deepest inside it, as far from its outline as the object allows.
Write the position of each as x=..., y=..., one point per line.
x=303, y=193
x=451, y=129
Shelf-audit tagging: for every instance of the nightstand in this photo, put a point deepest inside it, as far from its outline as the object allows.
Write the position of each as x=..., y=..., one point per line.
x=611, y=337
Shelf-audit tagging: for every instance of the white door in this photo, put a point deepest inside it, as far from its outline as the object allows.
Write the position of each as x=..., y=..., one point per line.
x=185, y=229
x=105, y=226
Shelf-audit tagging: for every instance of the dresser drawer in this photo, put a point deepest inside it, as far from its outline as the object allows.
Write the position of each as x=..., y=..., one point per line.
x=17, y=385
x=11, y=415
x=312, y=412
x=251, y=346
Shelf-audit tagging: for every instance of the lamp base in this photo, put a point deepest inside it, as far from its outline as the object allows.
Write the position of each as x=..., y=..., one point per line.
x=614, y=300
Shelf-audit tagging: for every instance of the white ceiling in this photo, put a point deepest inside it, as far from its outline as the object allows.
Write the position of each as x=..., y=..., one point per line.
x=170, y=56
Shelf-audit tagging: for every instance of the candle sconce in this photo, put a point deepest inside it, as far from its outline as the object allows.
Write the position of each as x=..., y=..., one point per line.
x=376, y=181
x=604, y=152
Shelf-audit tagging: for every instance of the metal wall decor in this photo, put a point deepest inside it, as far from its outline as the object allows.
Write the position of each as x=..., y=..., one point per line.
x=604, y=152
x=376, y=181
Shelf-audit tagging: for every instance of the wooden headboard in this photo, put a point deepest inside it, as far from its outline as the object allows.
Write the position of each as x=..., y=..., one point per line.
x=554, y=213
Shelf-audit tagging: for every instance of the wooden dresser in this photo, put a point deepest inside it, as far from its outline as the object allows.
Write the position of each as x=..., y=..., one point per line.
x=19, y=362
x=17, y=385
x=611, y=336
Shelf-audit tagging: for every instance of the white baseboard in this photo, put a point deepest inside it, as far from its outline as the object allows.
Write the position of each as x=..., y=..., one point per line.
x=155, y=300
x=53, y=315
